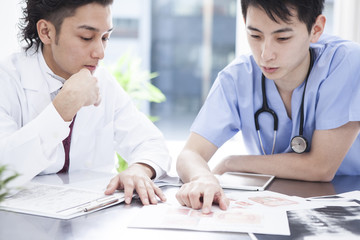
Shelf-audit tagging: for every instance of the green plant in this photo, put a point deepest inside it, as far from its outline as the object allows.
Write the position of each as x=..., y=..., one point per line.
x=4, y=190
x=137, y=83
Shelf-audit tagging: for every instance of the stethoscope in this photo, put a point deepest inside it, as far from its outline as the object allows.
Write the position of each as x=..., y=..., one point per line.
x=298, y=143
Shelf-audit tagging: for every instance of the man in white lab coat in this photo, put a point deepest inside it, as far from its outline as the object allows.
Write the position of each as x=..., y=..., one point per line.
x=56, y=81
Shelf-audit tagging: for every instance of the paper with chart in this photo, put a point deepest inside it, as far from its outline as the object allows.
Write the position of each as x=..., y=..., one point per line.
x=255, y=212
x=58, y=201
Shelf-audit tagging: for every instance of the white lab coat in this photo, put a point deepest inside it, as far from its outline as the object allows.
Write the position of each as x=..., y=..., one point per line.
x=31, y=130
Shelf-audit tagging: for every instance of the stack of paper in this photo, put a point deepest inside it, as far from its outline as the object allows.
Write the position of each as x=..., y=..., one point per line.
x=59, y=201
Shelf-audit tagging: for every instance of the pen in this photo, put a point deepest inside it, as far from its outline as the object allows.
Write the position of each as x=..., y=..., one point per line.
x=90, y=206
x=99, y=204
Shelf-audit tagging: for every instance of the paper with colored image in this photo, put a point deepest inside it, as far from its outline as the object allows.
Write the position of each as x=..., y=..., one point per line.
x=269, y=200
x=256, y=214
x=165, y=216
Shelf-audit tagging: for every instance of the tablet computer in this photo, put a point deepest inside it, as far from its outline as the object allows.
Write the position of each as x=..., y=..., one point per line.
x=245, y=181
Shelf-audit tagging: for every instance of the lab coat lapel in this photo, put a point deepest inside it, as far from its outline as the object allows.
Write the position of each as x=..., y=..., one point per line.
x=35, y=86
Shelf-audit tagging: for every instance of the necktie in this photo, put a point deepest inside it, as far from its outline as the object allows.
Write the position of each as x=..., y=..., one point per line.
x=66, y=143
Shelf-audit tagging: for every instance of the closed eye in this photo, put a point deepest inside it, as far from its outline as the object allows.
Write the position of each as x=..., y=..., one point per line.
x=86, y=39
x=284, y=39
x=255, y=36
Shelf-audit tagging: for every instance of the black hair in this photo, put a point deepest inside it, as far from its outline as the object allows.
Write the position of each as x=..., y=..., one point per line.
x=307, y=10
x=54, y=11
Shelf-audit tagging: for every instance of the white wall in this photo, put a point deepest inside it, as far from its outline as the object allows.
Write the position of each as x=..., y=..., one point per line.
x=242, y=45
x=10, y=13
x=347, y=19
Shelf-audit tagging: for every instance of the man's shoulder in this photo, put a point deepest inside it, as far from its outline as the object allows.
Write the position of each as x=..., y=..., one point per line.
x=334, y=43
x=15, y=60
x=333, y=50
x=16, y=66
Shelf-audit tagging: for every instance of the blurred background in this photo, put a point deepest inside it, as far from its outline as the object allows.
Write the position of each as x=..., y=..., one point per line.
x=186, y=42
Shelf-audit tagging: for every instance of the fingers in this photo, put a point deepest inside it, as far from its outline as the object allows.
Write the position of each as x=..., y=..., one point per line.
x=116, y=183
x=98, y=101
x=191, y=196
x=128, y=191
x=159, y=193
x=148, y=192
x=222, y=200
x=85, y=71
x=208, y=199
x=199, y=195
x=132, y=181
x=84, y=87
x=93, y=94
x=145, y=193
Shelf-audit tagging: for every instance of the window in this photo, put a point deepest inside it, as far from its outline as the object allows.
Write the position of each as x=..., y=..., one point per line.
x=191, y=42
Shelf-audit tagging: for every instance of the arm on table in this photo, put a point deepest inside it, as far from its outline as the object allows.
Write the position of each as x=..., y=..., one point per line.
x=201, y=187
x=328, y=149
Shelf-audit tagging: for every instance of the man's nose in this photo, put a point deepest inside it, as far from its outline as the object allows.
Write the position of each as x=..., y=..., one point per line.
x=267, y=51
x=98, y=50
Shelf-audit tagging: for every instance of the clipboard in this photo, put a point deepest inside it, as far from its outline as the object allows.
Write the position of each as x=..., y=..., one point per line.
x=244, y=181
x=59, y=201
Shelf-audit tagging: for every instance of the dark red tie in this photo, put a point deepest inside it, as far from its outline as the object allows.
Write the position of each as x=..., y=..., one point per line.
x=66, y=143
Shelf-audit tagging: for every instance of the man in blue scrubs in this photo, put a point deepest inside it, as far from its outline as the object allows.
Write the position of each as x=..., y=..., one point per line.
x=292, y=63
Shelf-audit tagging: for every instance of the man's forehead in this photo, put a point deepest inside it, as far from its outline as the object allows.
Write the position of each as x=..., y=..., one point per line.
x=96, y=19
x=92, y=11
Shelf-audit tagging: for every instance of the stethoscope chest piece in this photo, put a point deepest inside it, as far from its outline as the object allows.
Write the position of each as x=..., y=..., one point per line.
x=298, y=144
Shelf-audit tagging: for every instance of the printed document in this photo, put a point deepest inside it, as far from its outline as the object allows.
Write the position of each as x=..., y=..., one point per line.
x=59, y=201
x=249, y=212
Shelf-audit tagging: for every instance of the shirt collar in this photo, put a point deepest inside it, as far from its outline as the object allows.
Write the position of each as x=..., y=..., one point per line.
x=54, y=81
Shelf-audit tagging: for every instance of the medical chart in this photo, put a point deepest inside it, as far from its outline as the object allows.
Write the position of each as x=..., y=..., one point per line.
x=254, y=212
x=58, y=201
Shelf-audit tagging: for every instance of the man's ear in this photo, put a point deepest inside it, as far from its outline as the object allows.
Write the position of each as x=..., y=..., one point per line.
x=46, y=31
x=318, y=28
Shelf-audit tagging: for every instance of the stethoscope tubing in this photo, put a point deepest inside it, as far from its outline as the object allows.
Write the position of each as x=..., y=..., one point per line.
x=265, y=109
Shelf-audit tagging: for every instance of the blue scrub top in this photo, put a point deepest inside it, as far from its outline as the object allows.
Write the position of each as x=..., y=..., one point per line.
x=332, y=99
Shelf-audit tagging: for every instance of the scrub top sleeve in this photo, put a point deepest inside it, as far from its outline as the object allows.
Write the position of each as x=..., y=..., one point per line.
x=337, y=92
x=355, y=101
x=355, y=98
x=218, y=119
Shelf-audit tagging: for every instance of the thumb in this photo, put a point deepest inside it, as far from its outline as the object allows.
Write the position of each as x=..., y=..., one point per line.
x=113, y=185
x=85, y=70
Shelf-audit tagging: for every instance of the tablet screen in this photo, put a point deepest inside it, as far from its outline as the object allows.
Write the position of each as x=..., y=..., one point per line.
x=245, y=181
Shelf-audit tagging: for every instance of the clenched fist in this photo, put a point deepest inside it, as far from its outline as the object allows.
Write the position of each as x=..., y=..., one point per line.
x=80, y=90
